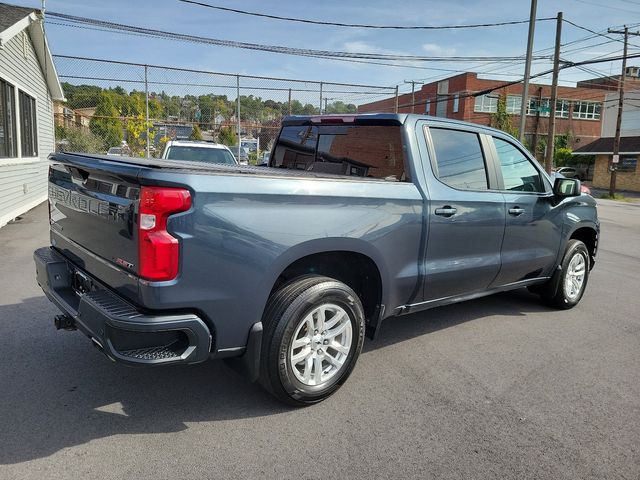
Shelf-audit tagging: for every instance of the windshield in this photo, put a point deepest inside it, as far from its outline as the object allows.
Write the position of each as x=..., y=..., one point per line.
x=201, y=154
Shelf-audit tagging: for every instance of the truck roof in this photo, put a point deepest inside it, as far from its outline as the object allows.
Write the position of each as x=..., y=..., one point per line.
x=379, y=119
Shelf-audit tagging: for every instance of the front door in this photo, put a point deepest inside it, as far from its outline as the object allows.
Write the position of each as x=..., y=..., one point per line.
x=533, y=224
x=466, y=216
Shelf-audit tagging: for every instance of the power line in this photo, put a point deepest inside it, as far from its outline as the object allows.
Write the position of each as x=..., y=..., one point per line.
x=359, y=25
x=607, y=6
x=271, y=48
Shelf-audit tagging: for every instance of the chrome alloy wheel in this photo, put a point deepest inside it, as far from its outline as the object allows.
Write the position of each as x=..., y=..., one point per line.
x=574, y=279
x=321, y=344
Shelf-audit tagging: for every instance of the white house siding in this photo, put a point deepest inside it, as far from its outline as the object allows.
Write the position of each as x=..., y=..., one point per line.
x=23, y=182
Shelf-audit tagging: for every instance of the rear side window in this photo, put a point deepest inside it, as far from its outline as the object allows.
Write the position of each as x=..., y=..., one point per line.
x=373, y=151
x=517, y=171
x=459, y=159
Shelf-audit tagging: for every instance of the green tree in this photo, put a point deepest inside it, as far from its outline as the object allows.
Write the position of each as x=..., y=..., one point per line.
x=74, y=139
x=106, y=123
x=501, y=119
x=196, y=133
x=227, y=136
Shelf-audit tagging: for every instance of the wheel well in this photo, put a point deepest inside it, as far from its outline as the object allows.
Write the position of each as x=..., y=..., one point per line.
x=589, y=237
x=354, y=269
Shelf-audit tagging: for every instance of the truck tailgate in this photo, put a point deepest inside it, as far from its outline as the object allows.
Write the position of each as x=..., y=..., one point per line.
x=92, y=205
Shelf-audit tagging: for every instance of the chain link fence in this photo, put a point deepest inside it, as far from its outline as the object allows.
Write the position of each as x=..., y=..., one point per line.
x=134, y=109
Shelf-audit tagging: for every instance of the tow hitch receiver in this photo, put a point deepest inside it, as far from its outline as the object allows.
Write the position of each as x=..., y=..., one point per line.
x=65, y=322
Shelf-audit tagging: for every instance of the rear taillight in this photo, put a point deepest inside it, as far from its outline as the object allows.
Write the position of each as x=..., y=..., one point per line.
x=159, y=252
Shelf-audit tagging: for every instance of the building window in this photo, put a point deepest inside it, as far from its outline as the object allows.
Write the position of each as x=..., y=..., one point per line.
x=538, y=105
x=513, y=104
x=456, y=103
x=28, y=126
x=486, y=103
x=427, y=106
x=562, y=108
x=587, y=110
x=628, y=163
x=7, y=121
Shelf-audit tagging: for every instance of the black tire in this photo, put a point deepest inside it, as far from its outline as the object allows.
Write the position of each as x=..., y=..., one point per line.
x=555, y=293
x=285, y=311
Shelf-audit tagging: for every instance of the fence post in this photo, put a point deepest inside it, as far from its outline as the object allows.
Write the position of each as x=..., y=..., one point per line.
x=320, y=98
x=238, y=109
x=146, y=108
x=396, y=107
x=289, y=101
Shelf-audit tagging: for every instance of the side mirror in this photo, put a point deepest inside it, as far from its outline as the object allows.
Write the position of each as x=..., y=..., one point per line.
x=566, y=187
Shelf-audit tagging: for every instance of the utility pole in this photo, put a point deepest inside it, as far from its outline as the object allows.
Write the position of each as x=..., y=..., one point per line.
x=396, y=100
x=551, y=134
x=534, y=143
x=616, y=141
x=527, y=69
x=413, y=93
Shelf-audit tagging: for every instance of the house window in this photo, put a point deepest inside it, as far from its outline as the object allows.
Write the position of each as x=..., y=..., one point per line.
x=485, y=103
x=587, y=110
x=427, y=106
x=456, y=103
x=28, y=126
x=628, y=163
x=513, y=104
x=8, y=147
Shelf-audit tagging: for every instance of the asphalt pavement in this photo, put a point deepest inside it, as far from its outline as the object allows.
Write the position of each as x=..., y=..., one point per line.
x=496, y=388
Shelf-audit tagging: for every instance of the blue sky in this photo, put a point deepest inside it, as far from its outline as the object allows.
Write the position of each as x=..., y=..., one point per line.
x=179, y=17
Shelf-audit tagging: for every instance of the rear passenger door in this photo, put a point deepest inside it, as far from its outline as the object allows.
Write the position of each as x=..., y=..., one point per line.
x=466, y=213
x=533, y=224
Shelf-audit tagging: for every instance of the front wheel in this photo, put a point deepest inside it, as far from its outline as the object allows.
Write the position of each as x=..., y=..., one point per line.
x=573, y=277
x=314, y=330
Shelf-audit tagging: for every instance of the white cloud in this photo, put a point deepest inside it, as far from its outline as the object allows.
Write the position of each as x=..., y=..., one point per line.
x=364, y=47
x=437, y=50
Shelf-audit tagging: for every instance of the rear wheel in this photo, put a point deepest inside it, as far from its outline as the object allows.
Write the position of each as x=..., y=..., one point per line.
x=314, y=330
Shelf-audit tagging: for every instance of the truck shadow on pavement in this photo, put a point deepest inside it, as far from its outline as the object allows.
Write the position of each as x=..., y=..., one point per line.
x=57, y=391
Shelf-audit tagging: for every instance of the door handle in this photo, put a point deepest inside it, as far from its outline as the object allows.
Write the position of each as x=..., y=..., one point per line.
x=446, y=211
x=516, y=211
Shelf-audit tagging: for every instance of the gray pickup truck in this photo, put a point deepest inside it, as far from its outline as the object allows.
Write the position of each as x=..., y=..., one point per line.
x=283, y=270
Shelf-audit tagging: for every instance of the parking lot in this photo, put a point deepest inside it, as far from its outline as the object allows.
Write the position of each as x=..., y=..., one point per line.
x=500, y=387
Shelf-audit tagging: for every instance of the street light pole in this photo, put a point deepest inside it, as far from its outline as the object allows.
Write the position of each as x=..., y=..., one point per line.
x=527, y=69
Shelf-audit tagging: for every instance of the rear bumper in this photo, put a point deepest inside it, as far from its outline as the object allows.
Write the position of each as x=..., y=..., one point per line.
x=123, y=333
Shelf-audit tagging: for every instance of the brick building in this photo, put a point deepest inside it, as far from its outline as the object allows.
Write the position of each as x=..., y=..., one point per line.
x=578, y=110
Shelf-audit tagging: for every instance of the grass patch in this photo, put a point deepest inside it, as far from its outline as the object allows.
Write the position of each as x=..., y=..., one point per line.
x=616, y=196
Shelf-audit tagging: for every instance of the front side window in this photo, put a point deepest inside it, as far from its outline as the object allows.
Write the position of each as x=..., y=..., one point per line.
x=7, y=121
x=28, y=126
x=459, y=159
x=373, y=151
x=518, y=172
